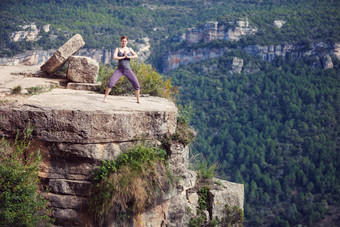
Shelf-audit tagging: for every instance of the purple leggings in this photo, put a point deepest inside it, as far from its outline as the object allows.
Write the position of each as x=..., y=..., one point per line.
x=128, y=73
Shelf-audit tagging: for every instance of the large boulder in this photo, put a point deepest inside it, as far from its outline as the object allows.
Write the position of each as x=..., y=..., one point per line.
x=82, y=69
x=62, y=54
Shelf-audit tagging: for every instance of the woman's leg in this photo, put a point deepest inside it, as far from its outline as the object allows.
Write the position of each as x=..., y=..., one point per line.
x=137, y=95
x=113, y=80
x=133, y=80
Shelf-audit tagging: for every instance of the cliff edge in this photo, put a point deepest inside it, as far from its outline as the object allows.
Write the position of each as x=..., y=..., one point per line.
x=75, y=132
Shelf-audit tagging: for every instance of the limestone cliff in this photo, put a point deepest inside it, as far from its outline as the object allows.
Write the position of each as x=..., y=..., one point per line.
x=75, y=131
x=174, y=59
x=234, y=31
x=213, y=30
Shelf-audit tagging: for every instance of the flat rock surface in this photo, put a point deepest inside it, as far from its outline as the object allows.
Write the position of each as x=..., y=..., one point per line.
x=66, y=99
x=74, y=116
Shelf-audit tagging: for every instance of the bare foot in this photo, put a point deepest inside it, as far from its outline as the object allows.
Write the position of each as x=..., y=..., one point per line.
x=104, y=101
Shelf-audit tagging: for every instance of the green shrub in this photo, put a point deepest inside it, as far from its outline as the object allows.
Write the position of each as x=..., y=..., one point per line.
x=16, y=90
x=203, y=170
x=20, y=203
x=204, y=199
x=233, y=216
x=34, y=90
x=130, y=182
x=151, y=82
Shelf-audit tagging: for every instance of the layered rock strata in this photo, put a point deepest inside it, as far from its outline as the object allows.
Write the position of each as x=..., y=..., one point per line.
x=75, y=131
x=63, y=53
x=174, y=59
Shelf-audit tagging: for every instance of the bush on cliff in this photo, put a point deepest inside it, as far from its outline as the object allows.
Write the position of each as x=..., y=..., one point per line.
x=20, y=203
x=129, y=183
x=151, y=82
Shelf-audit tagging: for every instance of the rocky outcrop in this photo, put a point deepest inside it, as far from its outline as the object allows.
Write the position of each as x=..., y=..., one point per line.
x=82, y=69
x=236, y=65
x=327, y=62
x=62, y=54
x=336, y=50
x=279, y=23
x=174, y=59
x=29, y=33
x=75, y=131
x=64, y=116
x=213, y=30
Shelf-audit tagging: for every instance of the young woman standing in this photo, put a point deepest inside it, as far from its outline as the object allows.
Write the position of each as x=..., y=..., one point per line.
x=123, y=55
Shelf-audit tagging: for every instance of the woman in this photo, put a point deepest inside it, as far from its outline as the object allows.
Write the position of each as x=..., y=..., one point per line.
x=123, y=55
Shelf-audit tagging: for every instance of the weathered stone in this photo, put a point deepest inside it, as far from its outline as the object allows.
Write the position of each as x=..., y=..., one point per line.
x=279, y=23
x=177, y=213
x=71, y=168
x=30, y=33
x=187, y=180
x=82, y=69
x=236, y=65
x=193, y=198
x=336, y=50
x=80, y=117
x=66, y=201
x=84, y=86
x=327, y=62
x=70, y=217
x=69, y=187
x=178, y=158
x=213, y=30
x=62, y=54
x=97, y=152
x=173, y=60
x=228, y=193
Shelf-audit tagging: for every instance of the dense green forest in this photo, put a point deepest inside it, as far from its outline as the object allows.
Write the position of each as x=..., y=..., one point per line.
x=276, y=131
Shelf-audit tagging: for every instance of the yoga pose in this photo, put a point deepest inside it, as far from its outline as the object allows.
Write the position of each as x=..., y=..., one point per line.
x=123, y=55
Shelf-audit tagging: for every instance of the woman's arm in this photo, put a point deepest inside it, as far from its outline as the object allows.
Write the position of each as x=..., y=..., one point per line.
x=134, y=55
x=115, y=55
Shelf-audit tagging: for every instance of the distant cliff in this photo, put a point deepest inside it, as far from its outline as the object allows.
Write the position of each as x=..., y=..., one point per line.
x=213, y=30
x=319, y=52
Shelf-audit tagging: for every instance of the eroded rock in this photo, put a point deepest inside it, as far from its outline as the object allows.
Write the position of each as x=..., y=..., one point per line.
x=62, y=54
x=82, y=69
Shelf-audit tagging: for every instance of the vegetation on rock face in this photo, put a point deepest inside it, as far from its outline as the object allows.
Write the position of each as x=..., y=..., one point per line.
x=129, y=183
x=150, y=80
x=231, y=216
x=20, y=203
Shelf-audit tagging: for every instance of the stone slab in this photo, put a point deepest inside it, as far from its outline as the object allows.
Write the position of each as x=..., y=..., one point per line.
x=62, y=54
x=64, y=115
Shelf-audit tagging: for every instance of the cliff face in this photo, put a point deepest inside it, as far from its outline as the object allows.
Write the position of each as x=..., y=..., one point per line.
x=213, y=30
x=75, y=131
x=321, y=52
